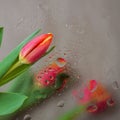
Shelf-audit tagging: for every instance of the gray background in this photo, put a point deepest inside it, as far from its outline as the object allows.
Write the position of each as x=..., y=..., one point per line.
x=87, y=34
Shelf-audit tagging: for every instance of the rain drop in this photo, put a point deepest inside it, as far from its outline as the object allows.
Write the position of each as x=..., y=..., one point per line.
x=75, y=63
x=115, y=85
x=20, y=21
x=64, y=53
x=78, y=77
x=60, y=103
x=80, y=31
x=66, y=25
x=17, y=119
x=59, y=94
x=27, y=117
x=81, y=95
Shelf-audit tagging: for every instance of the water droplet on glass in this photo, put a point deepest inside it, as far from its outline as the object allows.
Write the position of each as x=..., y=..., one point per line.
x=94, y=89
x=81, y=95
x=68, y=26
x=59, y=94
x=78, y=76
x=60, y=62
x=27, y=117
x=78, y=94
x=75, y=63
x=60, y=103
x=64, y=53
x=115, y=85
x=80, y=31
x=43, y=7
x=50, y=57
x=20, y=21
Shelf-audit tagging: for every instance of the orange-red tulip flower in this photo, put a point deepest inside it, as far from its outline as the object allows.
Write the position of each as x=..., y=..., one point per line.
x=35, y=49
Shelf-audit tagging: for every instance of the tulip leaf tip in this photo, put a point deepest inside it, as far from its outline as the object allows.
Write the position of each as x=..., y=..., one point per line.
x=1, y=34
x=50, y=50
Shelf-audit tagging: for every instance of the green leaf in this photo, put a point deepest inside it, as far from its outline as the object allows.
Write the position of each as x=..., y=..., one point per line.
x=22, y=84
x=60, y=80
x=1, y=34
x=49, y=51
x=14, y=73
x=8, y=61
x=10, y=102
x=44, y=92
x=38, y=94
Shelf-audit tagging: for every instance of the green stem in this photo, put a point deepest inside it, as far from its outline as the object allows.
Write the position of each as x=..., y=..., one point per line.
x=37, y=94
x=17, y=64
x=30, y=101
x=49, y=51
x=73, y=114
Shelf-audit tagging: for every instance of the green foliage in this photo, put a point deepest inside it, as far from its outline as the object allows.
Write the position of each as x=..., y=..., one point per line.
x=22, y=84
x=60, y=80
x=1, y=34
x=10, y=102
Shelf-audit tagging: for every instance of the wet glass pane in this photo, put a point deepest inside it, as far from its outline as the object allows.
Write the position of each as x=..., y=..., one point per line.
x=86, y=34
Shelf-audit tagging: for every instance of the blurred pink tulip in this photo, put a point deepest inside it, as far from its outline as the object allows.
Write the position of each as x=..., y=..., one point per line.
x=95, y=96
x=47, y=76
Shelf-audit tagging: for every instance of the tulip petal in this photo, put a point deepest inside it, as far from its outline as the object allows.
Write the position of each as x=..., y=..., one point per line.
x=36, y=54
x=35, y=49
x=32, y=44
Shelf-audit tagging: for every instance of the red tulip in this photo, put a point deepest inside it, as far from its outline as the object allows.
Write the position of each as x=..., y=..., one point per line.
x=35, y=49
x=95, y=96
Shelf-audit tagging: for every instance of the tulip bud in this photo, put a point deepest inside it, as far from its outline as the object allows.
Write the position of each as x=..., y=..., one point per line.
x=35, y=49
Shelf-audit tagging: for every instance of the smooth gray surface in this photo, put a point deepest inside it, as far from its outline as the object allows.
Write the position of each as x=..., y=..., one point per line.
x=87, y=31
